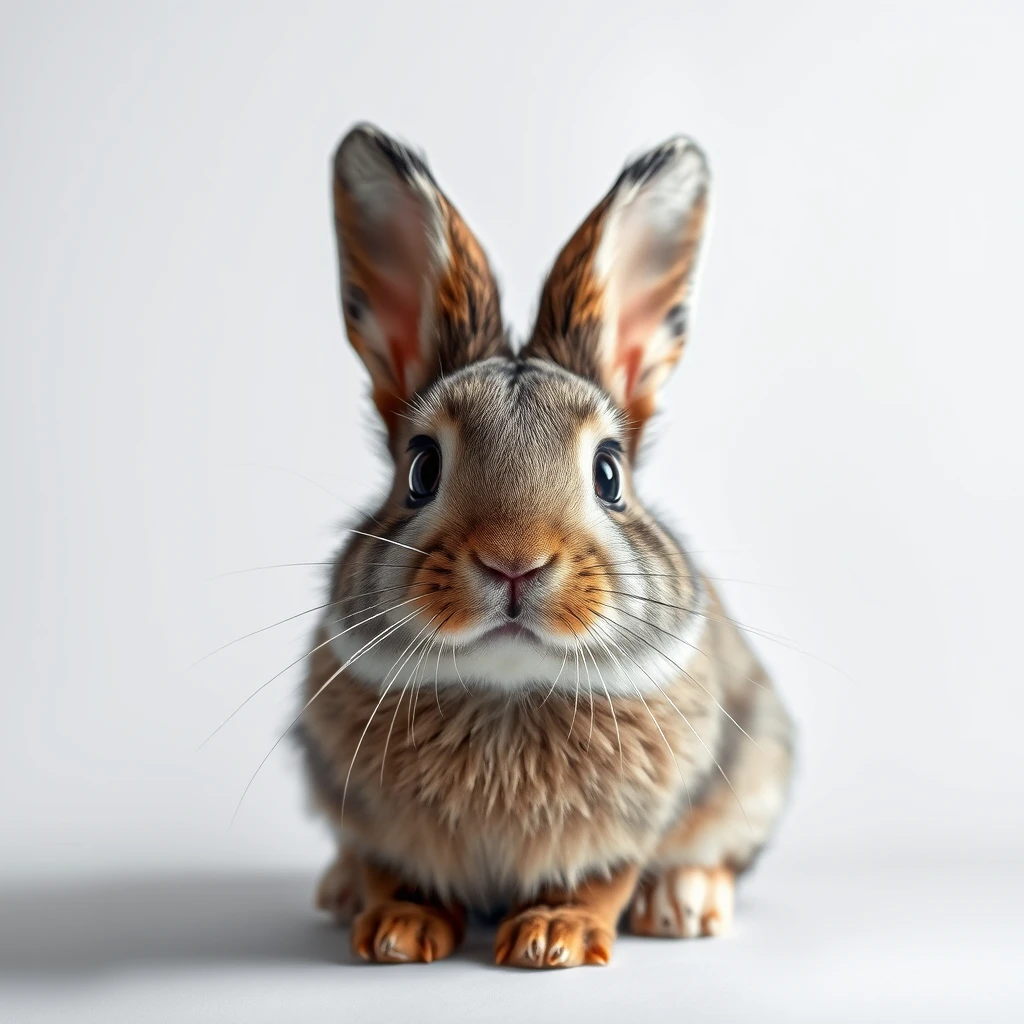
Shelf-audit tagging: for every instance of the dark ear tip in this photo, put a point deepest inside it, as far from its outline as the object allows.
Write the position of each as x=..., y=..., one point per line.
x=678, y=154
x=356, y=140
x=366, y=150
x=687, y=149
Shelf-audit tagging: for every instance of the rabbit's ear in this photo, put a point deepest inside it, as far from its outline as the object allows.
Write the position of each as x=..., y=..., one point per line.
x=616, y=305
x=417, y=293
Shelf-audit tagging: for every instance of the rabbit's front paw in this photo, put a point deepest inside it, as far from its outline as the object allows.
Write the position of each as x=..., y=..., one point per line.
x=683, y=902
x=396, y=932
x=564, y=936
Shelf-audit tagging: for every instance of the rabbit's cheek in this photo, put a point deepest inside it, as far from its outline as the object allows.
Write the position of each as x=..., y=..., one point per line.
x=578, y=599
x=440, y=584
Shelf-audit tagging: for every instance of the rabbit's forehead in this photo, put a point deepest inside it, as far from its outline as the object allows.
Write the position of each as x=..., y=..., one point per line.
x=505, y=410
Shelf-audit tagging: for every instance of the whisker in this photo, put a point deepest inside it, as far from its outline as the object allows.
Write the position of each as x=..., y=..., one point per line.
x=394, y=717
x=263, y=568
x=262, y=629
x=414, y=699
x=369, y=608
x=752, y=630
x=621, y=561
x=278, y=675
x=690, y=576
x=565, y=657
x=707, y=615
x=414, y=679
x=296, y=565
x=590, y=690
x=437, y=669
x=689, y=725
x=387, y=631
x=387, y=540
x=576, y=701
x=308, y=611
x=657, y=725
x=382, y=590
x=607, y=693
x=690, y=677
x=369, y=721
x=647, y=557
x=720, y=661
x=315, y=483
x=457, y=672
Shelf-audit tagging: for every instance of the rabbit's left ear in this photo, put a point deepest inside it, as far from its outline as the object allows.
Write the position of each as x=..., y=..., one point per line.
x=616, y=306
x=417, y=292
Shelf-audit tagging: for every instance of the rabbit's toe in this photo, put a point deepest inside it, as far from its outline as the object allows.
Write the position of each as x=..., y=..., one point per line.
x=396, y=932
x=684, y=902
x=564, y=936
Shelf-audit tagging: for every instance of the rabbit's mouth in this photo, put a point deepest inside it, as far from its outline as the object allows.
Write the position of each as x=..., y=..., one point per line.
x=511, y=631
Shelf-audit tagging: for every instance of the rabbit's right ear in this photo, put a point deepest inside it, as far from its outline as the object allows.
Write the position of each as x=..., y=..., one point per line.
x=617, y=304
x=418, y=295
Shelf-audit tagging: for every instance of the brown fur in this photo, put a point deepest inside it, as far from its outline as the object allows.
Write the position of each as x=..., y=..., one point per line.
x=494, y=798
x=571, y=310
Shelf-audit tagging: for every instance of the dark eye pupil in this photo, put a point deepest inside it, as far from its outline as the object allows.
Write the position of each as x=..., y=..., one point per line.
x=606, y=479
x=425, y=472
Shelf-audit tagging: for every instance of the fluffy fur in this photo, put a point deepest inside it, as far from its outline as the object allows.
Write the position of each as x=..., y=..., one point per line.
x=522, y=695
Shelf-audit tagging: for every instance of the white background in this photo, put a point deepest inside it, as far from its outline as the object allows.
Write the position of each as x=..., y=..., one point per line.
x=844, y=435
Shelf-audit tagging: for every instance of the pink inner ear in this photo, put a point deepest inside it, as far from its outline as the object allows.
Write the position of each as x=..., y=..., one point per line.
x=400, y=321
x=641, y=316
x=396, y=296
x=629, y=359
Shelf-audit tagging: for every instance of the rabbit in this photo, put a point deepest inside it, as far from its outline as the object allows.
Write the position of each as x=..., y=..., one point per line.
x=524, y=698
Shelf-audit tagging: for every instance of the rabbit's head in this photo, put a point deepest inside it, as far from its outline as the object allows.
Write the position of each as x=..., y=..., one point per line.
x=512, y=531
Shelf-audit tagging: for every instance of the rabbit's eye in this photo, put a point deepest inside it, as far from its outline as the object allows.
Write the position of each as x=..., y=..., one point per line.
x=607, y=478
x=425, y=471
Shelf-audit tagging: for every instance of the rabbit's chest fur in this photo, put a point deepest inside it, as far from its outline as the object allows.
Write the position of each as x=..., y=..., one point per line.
x=487, y=798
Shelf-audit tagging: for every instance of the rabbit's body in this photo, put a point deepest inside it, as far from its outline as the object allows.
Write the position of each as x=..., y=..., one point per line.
x=465, y=820
x=524, y=694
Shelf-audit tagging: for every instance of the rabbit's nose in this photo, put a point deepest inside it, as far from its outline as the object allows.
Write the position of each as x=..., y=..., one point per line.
x=514, y=572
